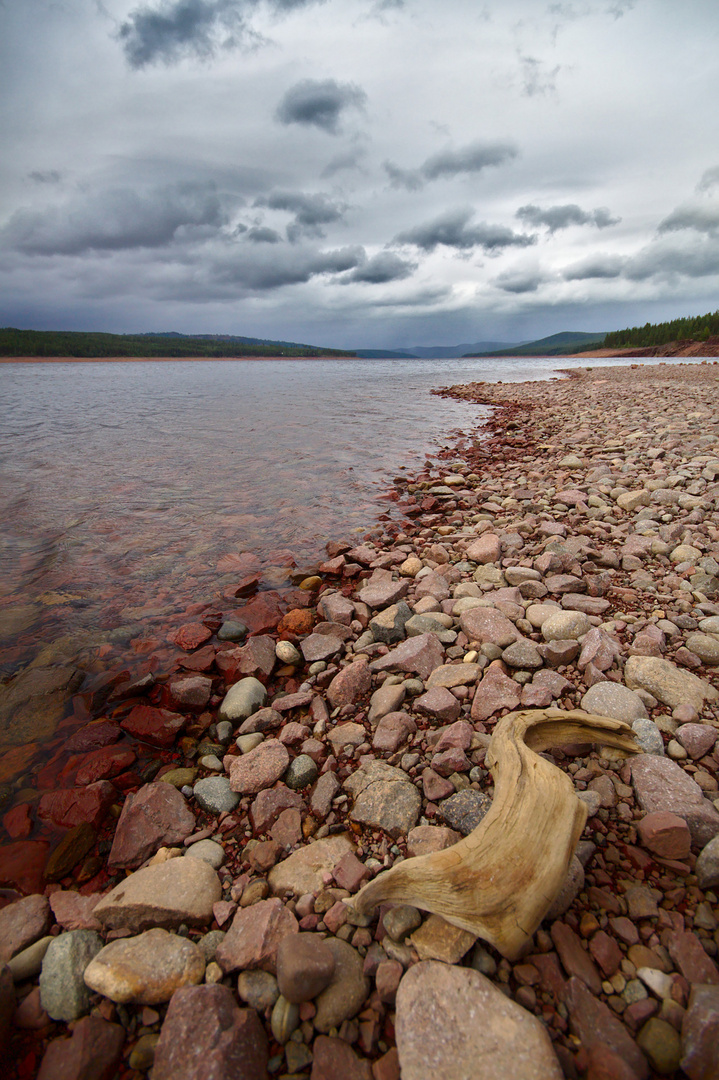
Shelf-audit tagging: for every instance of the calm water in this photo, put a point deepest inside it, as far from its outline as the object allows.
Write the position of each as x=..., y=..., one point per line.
x=122, y=485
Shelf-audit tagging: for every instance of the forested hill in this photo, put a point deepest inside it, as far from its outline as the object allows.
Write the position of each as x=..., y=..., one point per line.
x=700, y=328
x=76, y=344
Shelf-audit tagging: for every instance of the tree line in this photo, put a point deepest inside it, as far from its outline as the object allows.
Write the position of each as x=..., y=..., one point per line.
x=700, y=328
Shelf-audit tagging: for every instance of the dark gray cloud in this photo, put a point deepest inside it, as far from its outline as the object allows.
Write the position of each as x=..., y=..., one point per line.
x=175, y=29
x=618, y=8
x=381, y=268
x=472, y=158
x=521, y=281
x=562, y=217
x=701, y=217
x=319, y=104
x=709, y=180
x=49, y=176
x=116, y=219
x=595, y=266
x=271, y=267
x=671, y=260
x=454, y=229
x=260, y=234
x=311, y=212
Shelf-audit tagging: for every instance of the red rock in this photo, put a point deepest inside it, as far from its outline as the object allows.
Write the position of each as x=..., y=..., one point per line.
x=604, y=1064
x=438, y=702
x=104, y=763
x=392, y=731
x=435, y=787
x=666, y=834
x=292, y=734
x=202, y=660
x=606, y=952
x=625, y=929
x=233, y=563
x=246, y=587
x=256, y=658
x=73, y=911
x=296, y=623
x=575, y=960
x=91, y=1053
x=258, y=769
x=21, y=923
x=387, y=979
x=334, y=1059
x=22, y=864
x=688, y=954
x=288, y=702
x=416, y=656
x=154, y=816
x=485, y=549
x=255, y=935
x=205, y=1036
x=700, y=1034
x=334, y=607
x=93, y=737
x=458, y=735
x=594, y=1024
x=261, y=615
x=270, y=803
x=551, y=979
x=350, y=873
x=661, y=784
x=697, y=739
x=287, y=830
x=496, y=691
x=18, y=822
x=75, y=805
x=488, y=625
x=190, y=692
x=324, y=792
x=30, y=1015
x=305, y=966
x=191, y=636
x=535, y=696
x=425, y=839
x=158, y=727
x=387, y=1067
x=350, y=684
x=451, y=761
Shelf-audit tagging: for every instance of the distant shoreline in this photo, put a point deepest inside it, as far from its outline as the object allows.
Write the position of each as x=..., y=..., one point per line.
x=148, y=359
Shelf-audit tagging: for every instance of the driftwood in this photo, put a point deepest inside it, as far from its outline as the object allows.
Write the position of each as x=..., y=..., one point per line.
x=500, y=881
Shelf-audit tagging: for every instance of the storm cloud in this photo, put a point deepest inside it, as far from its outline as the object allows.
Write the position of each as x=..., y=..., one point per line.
x=562, y=217
x=449, y=163
x=115, y=220
x=381, y=268
x=311, y=212
x=454, y=229
x=319, y=104
x=703, y=218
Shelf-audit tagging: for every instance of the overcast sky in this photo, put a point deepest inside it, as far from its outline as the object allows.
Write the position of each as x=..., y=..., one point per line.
x=358, y=172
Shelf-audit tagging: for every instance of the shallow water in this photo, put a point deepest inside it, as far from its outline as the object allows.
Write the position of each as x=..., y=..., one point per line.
x=123, y=484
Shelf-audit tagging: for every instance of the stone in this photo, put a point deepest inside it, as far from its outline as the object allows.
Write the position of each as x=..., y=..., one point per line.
x=206, y=1036
x=303, y=871
x=571, y=887
x=21, y=923
x=104, y=763
x=28, y=963
x=565, y=626
x=641, y=904
x=258, y=989
x=256, y=659
x=324, y=792
x=381, y=590
x=432, y=585
x=158, y=727
x=697, y=739
x=707, y=866
x=436, y=939
x=191, y=692
x=606, y=953
x=392, y=731
x=439, y=703
x=301, y=773
x=485, y=549
x=495, y=692
x=452, y=1019
x=614, y=700
x=384, y=798
x=166, y=895
x=484, y=624
x=667, y=683
x=417, y=656
x=262, y=721
x=156, y=815
x=214, y=794
x=661, y=784
x=342, y=735
x=63, y=992
x=385, y=700
x=661, y=1044
x=425, y=839
x=449, y=675
x=73, y=911
x=700, y=1033
x=255, y=935
x=464, y=811
x=334, y=607
x=334, y=1059
x=145, y=970
x=305, y=966
x=576, y=961
x=687, y=952
x=243, y=699
x=350, y=684
x=522, y=654
x=22, y=865
x=191, y=636
x=705, y=646
x=260, y=768
x=270, y=803
x=666, y=835
x=388, y=626
x=73, y=806
x=648, y=737
x=593, y=1023
x=345, y=994
x=92, y=1052
x=209, y=851
x=320, y=647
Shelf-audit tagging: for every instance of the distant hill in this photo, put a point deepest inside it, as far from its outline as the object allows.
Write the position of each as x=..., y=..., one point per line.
x=698, y=328
x=568, y=341
x=15, y=342
x=436, y=352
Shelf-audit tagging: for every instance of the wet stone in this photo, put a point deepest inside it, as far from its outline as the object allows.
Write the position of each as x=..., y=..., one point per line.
x=214, y=794
x=93, y=1050
x=63, y=991
x=152, y=817
x=244, y=698
x=21, y=923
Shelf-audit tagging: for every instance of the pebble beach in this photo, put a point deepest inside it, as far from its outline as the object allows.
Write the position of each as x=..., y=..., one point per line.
x=214, y=814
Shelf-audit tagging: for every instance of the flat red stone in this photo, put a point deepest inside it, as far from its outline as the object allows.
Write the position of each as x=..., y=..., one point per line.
x=22, y=865
x=75, y=805
x=94, y=736
x=158, y=727
x=191, y=636
x=18, y=822
x=104, y=763
x=261, y=614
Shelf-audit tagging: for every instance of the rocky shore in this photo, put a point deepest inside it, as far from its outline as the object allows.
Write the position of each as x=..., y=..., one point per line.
x=216, y=814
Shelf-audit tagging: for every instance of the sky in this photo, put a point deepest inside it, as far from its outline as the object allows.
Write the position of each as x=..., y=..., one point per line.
x=358, y=173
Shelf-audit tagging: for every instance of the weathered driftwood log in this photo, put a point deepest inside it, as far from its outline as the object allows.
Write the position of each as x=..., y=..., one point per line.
x=500, y=881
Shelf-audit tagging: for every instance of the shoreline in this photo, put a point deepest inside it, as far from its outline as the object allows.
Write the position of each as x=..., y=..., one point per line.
x=574, y=497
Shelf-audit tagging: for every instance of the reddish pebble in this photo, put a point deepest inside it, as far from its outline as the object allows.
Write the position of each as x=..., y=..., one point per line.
x=191, y=636
x=18, y=822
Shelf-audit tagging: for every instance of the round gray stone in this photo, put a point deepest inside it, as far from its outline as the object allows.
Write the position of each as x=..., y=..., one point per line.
x=215, y=795
x=209, y=851
x=613, y=699
x=301, y=772
x=244, y=698
x=63, y=993
x=648, y=736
